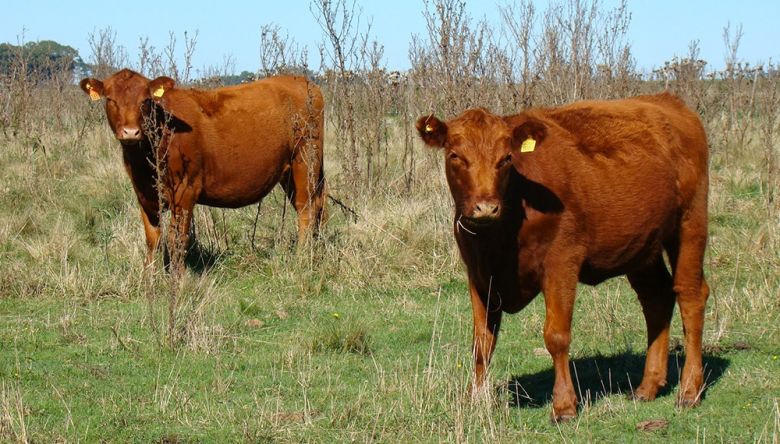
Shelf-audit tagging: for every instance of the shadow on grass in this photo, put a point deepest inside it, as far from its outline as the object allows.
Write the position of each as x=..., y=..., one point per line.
x=199, y=258
x=599, y=376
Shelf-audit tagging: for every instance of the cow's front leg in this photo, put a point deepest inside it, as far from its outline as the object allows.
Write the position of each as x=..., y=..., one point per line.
x=559, y=291
x=487, y=321
x=179, y=229
x=151, y=219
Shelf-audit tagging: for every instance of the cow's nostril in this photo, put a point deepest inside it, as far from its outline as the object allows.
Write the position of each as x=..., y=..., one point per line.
x=130, y=133
x=485, y=209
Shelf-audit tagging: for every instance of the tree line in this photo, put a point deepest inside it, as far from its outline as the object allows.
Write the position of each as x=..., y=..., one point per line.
x=44, y=58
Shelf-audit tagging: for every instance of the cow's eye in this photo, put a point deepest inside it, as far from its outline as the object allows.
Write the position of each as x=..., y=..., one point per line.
x=453, y=156
x=505, y=161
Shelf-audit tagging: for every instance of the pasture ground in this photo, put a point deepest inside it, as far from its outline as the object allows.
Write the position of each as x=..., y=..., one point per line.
x=363, y=336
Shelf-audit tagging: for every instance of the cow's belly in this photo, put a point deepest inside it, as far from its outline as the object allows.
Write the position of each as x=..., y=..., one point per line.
x=237, y=176
x=593, y=272
x=617, y=252
x=625, y=227
x=235, y=193
x=240, y=188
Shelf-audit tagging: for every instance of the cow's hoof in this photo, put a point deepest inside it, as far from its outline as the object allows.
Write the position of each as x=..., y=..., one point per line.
x=687, y=402
x=556, y=418
x=563, y=414
x=640, y=395
x=479, y=393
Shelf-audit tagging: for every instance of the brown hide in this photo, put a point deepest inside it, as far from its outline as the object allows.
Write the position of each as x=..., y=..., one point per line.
x=226, y=147
x=602, y=189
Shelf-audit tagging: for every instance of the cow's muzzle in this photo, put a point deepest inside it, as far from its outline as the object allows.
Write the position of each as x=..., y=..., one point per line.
x=485, y=212
x=129, y=134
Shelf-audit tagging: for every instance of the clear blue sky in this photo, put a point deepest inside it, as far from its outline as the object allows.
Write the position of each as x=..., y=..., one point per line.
x=660, y=29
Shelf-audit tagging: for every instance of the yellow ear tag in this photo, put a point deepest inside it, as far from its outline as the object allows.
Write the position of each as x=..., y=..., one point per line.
x=528, y=145
x=428, y=129
x=158, y=92
x=93, y=94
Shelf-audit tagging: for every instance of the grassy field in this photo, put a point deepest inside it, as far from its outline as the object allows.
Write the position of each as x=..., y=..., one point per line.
x=363, y=336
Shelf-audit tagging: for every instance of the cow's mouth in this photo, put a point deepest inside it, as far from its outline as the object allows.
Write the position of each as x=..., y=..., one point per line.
x=476, y=223
x=129, y=141
x=481, y=221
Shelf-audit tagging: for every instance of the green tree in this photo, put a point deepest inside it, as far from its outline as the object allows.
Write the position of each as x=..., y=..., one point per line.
x=44, y=58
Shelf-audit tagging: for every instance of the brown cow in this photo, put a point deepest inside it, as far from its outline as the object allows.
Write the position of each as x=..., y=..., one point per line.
x=583, y=192
x=225, y=147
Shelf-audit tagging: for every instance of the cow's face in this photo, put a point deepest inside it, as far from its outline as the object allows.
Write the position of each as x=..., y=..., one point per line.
x=126, y=96
x=478, y=161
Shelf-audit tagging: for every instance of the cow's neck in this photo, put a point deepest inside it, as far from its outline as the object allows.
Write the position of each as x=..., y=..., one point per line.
x=140, y=162
x=491, y=254
x=142, y=151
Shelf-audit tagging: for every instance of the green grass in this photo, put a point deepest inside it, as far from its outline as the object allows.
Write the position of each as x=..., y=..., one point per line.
x=363, y=337
x=78, y=380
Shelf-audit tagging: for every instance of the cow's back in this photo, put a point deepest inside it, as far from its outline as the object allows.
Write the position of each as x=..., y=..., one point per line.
x=243, y=137
x=623, y=171
x=259, y=112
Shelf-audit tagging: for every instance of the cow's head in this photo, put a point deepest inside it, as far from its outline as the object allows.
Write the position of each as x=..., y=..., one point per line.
x=478, y=161
x=126, y=96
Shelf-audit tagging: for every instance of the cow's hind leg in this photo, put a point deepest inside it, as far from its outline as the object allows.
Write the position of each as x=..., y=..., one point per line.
x=305, y=187
x=692, y=293
x=686, y=255
x=653, y=285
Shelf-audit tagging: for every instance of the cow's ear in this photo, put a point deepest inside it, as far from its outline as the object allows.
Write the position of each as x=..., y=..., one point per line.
x=432, y=131
x=160, y=86
x=93, y=87
x=527, y=136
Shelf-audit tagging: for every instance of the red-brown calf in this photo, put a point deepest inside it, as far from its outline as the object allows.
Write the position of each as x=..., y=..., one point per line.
x=583, y=192
x=226, y=147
